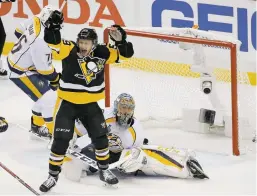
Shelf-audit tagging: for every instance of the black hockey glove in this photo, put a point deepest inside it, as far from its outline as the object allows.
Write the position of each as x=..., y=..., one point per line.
x=3, y=125
x=54, y=85
x=52, y=34
x=118, y=34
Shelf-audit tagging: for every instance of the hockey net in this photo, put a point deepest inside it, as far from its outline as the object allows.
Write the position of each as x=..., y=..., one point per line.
x=165, y=76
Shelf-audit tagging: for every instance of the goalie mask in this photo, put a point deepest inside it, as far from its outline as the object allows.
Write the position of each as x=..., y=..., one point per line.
x=124, y=107
x=87, y=40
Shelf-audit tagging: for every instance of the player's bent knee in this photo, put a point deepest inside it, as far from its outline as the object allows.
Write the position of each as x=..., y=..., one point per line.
x=60, y=146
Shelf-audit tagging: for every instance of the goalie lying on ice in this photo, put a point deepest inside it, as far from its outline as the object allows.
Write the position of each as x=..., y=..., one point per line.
x=130, y=151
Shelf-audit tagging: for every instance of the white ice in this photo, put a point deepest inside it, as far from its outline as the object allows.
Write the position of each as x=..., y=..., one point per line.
x=29, y=158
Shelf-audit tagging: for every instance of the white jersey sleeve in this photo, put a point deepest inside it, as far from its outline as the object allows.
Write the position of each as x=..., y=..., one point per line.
x=23, y=27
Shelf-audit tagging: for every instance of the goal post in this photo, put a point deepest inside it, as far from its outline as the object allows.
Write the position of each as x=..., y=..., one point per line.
x=194, y=39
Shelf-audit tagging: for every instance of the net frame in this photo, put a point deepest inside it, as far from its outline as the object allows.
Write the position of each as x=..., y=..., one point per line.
x=233, y=64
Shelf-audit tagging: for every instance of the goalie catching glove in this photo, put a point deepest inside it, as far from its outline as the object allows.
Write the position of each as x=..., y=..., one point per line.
x=136, y=162
x=3, y=125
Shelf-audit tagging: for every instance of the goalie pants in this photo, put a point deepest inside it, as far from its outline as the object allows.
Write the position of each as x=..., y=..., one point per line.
x=91, y=116
x=2, y=36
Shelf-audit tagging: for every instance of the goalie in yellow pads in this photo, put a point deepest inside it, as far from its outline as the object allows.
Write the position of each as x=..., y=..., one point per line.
x=126, y=138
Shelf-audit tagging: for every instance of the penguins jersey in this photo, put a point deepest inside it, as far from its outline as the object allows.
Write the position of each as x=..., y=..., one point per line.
x=82, y=78
x=31, y=54
x=119, y=137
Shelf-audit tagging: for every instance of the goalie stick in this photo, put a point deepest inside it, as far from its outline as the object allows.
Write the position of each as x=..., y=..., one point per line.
x=63, y=4
x=19, y=179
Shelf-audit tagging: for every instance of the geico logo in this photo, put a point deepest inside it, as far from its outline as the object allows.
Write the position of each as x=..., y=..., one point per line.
x=209, y=18
x=83, y=9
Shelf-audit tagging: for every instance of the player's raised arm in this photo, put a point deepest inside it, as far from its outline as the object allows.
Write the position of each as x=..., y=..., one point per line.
x=121, y=49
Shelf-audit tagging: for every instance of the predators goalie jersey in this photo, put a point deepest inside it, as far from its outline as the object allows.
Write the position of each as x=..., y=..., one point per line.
x=119, y=137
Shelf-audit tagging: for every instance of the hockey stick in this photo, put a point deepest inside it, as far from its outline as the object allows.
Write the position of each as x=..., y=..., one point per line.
x=93, y=163
x=19, y=179
x=63, y=4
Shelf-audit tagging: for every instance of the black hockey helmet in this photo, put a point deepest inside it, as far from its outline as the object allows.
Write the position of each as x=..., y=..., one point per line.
x=88, y=34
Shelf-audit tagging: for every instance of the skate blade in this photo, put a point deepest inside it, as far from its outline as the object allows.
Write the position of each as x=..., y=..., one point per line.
x=110, y=186
x=4, y=78
x=34, y=136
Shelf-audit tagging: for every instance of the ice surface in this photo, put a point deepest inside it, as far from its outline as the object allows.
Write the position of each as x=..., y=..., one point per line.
x=29, y=158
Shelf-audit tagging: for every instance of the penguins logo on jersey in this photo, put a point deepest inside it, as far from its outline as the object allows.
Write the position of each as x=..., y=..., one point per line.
x=90, y=67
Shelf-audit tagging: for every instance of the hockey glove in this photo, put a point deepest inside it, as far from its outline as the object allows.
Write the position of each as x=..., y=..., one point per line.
x=136, y=162
x=54, y=85
x=118, y=34
x=3, y=125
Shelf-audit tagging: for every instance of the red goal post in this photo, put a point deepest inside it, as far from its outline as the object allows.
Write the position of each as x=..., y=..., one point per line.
x=233, y=64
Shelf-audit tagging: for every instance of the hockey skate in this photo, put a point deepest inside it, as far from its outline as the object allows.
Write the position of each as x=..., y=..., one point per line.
x=48, y=184
x=3, y=74
x=108, y=177
x=196, y=169
x=40, y=132
x=254, y=139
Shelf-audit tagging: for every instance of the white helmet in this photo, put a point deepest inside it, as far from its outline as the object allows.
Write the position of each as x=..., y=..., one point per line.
x=46, y=12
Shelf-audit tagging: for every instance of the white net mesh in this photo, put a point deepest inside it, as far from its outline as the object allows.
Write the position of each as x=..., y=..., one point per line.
x=164, y=79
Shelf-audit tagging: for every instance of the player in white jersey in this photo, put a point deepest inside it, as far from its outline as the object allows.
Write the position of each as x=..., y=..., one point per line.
x=126, y=138
x=30, y=63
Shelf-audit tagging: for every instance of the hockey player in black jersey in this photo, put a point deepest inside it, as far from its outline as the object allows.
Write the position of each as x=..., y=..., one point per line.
x=3, y=72
x=81, y=86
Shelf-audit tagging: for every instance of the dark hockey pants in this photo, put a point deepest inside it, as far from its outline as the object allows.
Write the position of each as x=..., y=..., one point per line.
x=91, y=116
